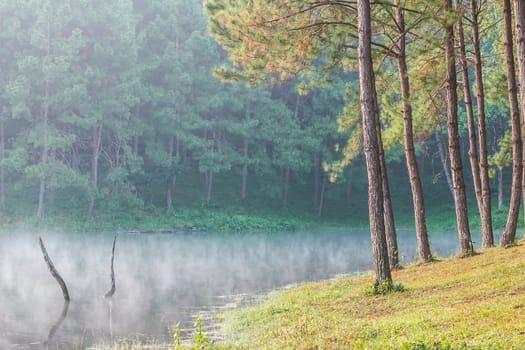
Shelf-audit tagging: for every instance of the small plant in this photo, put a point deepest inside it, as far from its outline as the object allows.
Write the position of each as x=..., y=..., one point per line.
x=385, y=288
x=199, y=340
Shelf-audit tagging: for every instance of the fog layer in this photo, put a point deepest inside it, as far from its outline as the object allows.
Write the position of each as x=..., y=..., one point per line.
x=162, y=279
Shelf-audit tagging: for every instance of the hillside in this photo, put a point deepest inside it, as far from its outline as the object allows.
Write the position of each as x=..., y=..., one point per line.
x=473, y=303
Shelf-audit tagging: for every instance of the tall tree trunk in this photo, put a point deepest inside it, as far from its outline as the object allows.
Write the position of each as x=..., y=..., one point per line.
x=509, y=234
x=286, y=185
x=317, y=178
x=2, y=157
x=136, y=144
x=390, y=226
x=95, y=153
x=519, y=12
x=244, y=172
x=486, y=217
x=172, y=178
x=45, y=120
x=460, y=197
x=368, y=101
x=210, y=185
x=467, y=96
x=503, y=242
x=443, y=158
x=321, y=195
x=42, y=188
x=418, y=201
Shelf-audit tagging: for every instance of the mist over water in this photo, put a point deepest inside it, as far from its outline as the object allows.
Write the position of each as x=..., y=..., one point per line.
x=163, y=279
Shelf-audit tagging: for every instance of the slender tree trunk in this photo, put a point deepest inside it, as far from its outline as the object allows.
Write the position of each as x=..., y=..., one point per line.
x=486, y=217
x=368, y=101
x=519, y=12
x=210, y=185
x=244, y=172
x=136, y=144
x=460, y=197
x=443, y=158
x=2, y=157
x=170, y=184
x=45, y=120
x=44, y=160
x=467, y=96
x=500, y=205
x=390, y=227
x=509, y=234
x=321, y=195
x=317, y=178
x=286, y=185
x=95, y=153
x=418, y=201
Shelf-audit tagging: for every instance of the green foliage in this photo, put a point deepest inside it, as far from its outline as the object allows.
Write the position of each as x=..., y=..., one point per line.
x=385, y=288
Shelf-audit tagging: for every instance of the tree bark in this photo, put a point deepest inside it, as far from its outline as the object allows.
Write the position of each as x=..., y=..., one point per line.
x=317, y=178
x=113, y=288
x=209, y=187
x=95, y=154
x=53, y=270
x=486, y=200
x=418, y=201
x=45, y=120
x=321, y=195
x=244, y=172
x=500, y=205
x=443, y=158
x=460, y=197
x=509, y=234
x=390, y=226
x=368, y=101
x=2, y=157
x=172, y=178
x=467, y=96
x=519, y=12
x=286, y=185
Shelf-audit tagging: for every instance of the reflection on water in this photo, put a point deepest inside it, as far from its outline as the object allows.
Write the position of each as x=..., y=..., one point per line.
x=163, y=279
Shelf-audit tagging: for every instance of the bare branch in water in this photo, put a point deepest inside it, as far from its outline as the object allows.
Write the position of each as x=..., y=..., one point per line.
x=53, y=270
x=110, y=293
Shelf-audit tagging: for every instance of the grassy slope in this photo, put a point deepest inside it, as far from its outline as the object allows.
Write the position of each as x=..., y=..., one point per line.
x=474, y=303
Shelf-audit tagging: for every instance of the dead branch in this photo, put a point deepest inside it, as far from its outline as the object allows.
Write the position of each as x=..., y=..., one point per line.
x=53, y=270
x=110, y=293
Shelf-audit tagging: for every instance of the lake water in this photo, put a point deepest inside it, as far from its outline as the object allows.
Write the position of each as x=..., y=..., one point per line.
x=164, y=279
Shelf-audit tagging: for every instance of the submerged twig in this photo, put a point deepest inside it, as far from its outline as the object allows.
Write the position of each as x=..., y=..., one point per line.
x=54, y=271
x=110, y=293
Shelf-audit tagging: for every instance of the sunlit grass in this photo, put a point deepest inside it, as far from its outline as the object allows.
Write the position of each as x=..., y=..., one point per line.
x=471, y=303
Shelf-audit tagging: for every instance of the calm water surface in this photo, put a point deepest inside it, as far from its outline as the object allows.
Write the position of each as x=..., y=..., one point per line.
x=163, y=279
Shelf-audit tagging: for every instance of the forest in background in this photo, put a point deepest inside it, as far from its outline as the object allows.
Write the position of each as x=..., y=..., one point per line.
x=111, y=113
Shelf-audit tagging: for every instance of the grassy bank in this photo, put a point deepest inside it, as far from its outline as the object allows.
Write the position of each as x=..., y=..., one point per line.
x=472, y=303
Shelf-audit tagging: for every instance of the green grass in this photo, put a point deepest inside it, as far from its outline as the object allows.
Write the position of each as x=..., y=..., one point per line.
x=471, y=303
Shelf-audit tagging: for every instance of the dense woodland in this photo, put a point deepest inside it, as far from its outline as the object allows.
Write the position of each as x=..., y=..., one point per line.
x=132, y=106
